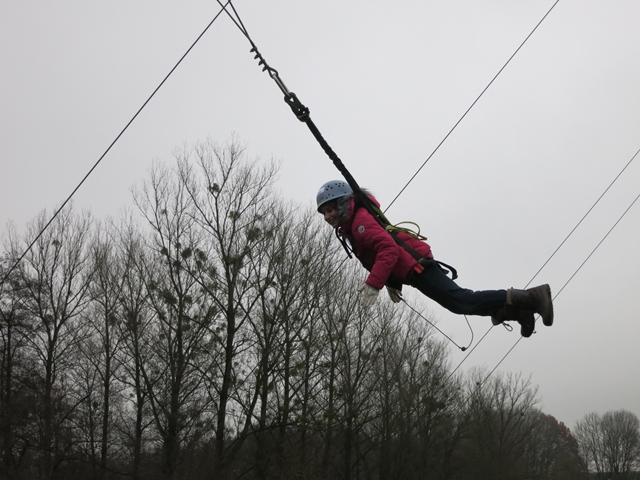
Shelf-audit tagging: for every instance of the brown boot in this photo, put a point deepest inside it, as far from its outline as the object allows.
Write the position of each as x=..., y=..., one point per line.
x=537, y=299
x=524, y=317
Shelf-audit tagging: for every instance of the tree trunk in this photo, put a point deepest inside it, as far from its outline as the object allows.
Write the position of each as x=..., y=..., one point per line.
x=225, y=389
x=106, y=404
x=7, y=373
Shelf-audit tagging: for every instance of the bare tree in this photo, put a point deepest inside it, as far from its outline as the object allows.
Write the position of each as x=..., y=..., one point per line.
x=183, y=313
x=621, y=435
x=610, y=444
x=500, y=419
x=97, y=370
x=339, y=304
x=552, y=451
x=417, y=428
x=233, y=208
x=56, y=277
x=16, y=401
x=356, y=384
x=292, y=272
x=135, y=330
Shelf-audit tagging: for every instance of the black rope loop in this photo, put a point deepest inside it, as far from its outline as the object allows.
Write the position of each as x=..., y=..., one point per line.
x=461, y=347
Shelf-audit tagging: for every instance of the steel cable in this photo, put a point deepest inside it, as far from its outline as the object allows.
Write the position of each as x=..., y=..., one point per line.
x=68, y=199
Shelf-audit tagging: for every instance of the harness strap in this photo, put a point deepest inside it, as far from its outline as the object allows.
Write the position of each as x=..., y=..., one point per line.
x=362, y=200
x=347, y=248
x=424, y=262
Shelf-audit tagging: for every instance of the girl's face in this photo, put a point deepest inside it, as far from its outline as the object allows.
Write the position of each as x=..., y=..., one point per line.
x=330, y=214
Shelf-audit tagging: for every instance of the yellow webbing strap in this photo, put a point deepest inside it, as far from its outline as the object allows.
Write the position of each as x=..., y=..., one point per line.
x=397, y=228
x=408, y=231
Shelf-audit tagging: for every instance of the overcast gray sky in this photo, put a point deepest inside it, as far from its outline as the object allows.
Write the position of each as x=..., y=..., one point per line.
x=385, y=82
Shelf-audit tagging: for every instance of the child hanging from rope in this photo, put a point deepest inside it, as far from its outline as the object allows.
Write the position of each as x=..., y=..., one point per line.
x=409, y=261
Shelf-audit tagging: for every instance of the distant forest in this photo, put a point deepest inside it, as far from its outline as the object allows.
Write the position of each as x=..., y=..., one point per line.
x=213, y=332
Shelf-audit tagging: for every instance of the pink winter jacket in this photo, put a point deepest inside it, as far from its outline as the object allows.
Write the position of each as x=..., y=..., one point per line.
x=377, y=250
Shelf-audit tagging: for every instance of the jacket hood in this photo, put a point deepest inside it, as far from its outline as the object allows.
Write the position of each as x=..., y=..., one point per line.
x=345, y=206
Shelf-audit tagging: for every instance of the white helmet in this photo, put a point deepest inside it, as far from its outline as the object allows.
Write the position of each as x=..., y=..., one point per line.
x=332, y=190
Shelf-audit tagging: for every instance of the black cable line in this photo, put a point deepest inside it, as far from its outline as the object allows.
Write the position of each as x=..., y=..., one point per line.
x=472, y=105
x=570, y=278
x=582, y=219
x=468, y=354
x=57, y=212
x=561, y=244
x=242, y=28
x=555, y=296
x=241, y=25
x=237, y=20
x=434, y=326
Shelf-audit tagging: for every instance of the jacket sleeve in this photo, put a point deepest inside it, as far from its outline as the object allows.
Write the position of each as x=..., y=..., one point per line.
x=372, y=239
x=393, y=282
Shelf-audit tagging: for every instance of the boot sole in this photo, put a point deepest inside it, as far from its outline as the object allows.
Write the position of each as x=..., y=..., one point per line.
x=547, y=313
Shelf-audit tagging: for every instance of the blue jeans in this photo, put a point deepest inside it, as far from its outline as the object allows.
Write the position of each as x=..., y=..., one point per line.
x=437, y=286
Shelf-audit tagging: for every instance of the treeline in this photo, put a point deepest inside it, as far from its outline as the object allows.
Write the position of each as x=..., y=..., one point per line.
x=215, y=333
x=610, y=444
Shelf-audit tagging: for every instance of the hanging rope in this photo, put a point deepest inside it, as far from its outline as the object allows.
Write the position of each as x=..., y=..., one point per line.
x=443, y=334
x=299, y=110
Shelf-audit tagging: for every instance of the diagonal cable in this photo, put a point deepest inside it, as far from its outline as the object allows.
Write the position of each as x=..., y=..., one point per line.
x=582, y=219
x=472, y=105
x=571, y=278
x=560, y=246
x=57, y=212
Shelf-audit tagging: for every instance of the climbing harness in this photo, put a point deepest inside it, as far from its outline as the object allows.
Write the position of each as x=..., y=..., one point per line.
x=420, y=266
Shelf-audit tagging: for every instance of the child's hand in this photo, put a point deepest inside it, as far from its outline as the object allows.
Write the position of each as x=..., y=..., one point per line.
x=368, y=295
x=394, y=294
